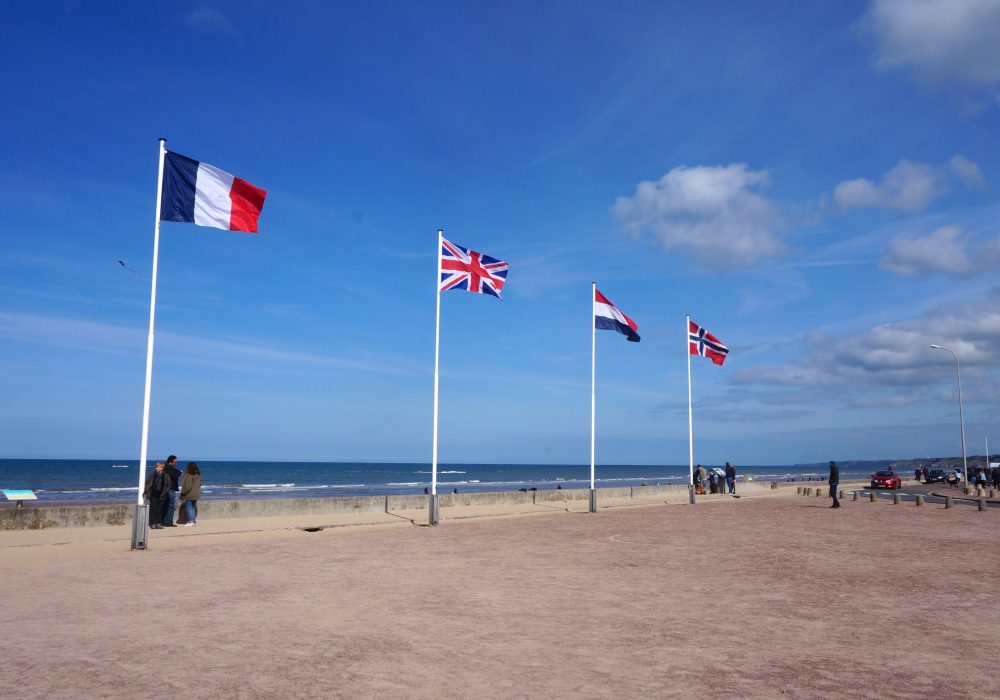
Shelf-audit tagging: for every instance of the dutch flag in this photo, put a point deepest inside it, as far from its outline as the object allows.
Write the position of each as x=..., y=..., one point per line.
x=608, y=317
x=202, y=194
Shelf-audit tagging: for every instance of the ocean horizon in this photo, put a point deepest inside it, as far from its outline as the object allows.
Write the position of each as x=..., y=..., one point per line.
x=111, y=480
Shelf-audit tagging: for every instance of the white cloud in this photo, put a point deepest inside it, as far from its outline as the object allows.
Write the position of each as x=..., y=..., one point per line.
x=908, y=187
x=209, y=20
x=967, y=172
x=944, y=251
x=892, y=354
x=944, y=42
x=710, y=212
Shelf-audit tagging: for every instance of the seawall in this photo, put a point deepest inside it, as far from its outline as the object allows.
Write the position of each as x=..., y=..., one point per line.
x=40, y=517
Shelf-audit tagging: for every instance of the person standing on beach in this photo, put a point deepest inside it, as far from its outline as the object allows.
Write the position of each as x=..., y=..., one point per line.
x=156, y=493
x=834, y=483
x=731, y=478
x=190, y=491
x=174, y=473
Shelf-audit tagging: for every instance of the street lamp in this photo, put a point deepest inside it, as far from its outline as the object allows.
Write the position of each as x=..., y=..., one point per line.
x=961, y=412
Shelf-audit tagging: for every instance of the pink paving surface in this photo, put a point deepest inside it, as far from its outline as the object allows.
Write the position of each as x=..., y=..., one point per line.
x=769, y=597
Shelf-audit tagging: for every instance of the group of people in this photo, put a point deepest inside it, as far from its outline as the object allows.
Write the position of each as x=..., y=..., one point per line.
x=978, y=476
x=702, y=476
x=163, y=487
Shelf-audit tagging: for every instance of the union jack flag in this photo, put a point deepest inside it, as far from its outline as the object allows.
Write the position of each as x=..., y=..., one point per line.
x=701, y=342
x=462, y=268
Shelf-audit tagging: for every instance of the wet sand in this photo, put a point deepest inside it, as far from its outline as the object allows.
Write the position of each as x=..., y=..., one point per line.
x=775, y=596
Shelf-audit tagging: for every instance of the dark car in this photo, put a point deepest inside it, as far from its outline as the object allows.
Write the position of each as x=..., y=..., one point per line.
x=935, y=476
x=886, y=479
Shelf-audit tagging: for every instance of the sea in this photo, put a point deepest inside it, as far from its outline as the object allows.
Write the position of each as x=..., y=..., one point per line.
x=116, y=480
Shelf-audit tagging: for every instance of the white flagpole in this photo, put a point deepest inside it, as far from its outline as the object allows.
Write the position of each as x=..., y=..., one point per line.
x=687, y=351
x=593, y=394
x=139, y=520
x=433, y=505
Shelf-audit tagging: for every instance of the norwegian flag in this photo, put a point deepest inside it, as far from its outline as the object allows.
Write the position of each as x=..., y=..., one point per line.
x=462, y=268
x=701, y=342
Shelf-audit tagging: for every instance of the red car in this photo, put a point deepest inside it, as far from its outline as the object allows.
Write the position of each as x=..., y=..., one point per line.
x=886, y=479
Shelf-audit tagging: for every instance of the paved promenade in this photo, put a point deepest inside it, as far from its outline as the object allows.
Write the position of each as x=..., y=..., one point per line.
x=771, y=596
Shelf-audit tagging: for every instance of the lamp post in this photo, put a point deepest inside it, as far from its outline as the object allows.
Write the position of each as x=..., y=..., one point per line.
x=961, y=412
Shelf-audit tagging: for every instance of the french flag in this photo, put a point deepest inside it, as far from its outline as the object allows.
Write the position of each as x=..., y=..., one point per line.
x=202, y=194
x=607, y=317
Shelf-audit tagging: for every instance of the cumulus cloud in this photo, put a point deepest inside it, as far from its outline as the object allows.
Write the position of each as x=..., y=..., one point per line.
x=967, y=172
x=209, y=20
x=951, y=42
x=711, y=212
x=892, y=355
x=942, y=251
x=908, y=187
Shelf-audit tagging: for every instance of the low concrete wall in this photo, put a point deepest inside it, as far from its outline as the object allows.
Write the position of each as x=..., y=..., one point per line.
x=39, y=517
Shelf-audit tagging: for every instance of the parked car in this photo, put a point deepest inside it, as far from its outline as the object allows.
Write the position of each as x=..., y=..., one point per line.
x=886, y=479
x=935, y=476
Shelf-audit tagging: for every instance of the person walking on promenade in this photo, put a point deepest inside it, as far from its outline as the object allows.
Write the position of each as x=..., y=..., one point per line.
x=696, y=477
x=190, y=491
x=174, y=473
x=834, y=483
x=731, y=478
x=156, y=494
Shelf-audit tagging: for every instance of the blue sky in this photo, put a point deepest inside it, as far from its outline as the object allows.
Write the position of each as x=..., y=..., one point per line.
x=814, y=182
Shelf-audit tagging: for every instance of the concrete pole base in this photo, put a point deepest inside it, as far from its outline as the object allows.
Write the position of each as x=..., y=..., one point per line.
x=433, y=510
x=593, y=500
x=691, y=494
x=140, y=526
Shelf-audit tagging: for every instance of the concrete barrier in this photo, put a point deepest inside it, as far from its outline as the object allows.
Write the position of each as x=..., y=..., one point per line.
x=39, y=517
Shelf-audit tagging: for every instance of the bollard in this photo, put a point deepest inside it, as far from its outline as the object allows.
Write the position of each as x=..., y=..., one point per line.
x=979, y=492
x=993, y=494
x=920, y=500
x=840, y=494
x=854, y=496
x=896, y=499
x=819, y=492
x=949, y=502
x=872, y=496
x=968, y=490
x=982, y=504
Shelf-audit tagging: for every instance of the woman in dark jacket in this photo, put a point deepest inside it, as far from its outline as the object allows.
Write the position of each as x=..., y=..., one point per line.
x=157, y=494
x=190, y=491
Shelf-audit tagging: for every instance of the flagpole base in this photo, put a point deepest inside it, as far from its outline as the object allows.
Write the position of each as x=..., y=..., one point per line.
x=432, y=510
x=691, y=494
x=593, y=500
x=140, y=522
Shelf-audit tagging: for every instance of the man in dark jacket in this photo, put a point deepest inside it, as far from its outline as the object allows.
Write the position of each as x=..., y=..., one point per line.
x=834, y=483
x=156, y=493
x=175, y=474
x=731, y=478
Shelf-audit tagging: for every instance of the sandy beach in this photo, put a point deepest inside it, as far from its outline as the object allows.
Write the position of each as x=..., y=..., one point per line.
x=769, y=596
